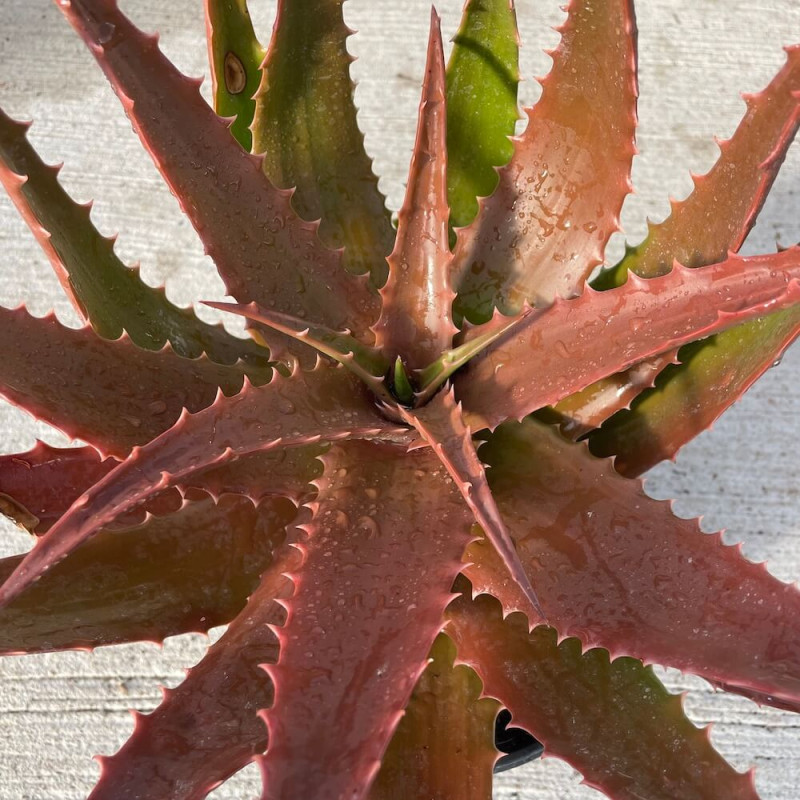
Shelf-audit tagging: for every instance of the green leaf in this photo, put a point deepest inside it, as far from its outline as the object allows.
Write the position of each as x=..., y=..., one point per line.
x=403, y=390
x=246, y=224
x=444, y=744
x=236, y=57
x=482, y=79
x=108, y=293
x=690, y=396
x=568, y=177
x=181, y=572
x=305, y=125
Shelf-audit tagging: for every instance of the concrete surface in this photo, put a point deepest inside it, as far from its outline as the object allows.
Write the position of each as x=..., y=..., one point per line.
x=57, y=711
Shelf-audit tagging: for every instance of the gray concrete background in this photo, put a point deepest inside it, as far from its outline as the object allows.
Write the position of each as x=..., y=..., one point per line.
x=695, y=55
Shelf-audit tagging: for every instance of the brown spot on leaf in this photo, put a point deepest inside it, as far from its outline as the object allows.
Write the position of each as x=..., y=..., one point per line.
x=235, y=73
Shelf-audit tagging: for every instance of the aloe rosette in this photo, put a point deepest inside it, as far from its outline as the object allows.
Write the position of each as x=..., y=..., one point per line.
x=371, y=491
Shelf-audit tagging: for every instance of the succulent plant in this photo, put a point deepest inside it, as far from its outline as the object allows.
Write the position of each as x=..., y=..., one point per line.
x=395, y=493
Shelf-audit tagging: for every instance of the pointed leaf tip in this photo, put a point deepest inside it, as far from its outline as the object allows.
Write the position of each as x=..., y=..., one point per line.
x=366, y=362
x=441, y=424
x=416, y=317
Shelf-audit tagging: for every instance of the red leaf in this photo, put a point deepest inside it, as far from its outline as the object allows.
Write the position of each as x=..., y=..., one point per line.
x=719, y=213
x=288, y=412
x=559, y=350
x=619, y=571
x=71, y=378
x=545, y=228
x=702, y=229
x=379, y=559
x=416, y=322
x=187, y=571
x=246, y=224
x=362, y=360
x=614, y=722
x=37, y=487
x=441, y=425
x=207, y=728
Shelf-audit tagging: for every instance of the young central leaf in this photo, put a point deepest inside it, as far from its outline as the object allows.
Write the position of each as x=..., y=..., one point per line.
x=416, y=321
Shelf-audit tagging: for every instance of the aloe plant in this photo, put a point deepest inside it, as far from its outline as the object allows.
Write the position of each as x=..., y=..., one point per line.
x=371, y=492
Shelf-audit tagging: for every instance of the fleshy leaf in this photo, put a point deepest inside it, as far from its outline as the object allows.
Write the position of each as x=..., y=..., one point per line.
x=554, y=352
x=39, y=486
x=71, y=378
x=482, y=111
x=719, y=213
x=235, y=55
x=207, y=728
x=360, y=624
x=326, y=403
x=545, y=228
x=688, y=398
x=264, y=252
x=416, y=319
x=702, y=229
x=441, y=425
x=440, y=371
x=612, y=721
x=444, y=745
x=618, y=570
x=186, y=571
x=305, y=125
x=401, y=384
x=362, y=360
x=587, y=409
x=107, y=293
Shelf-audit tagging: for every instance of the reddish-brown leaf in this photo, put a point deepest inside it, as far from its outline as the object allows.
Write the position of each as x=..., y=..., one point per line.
x=263, y=250
x=416, y=321
x=326, y=403
x=379, y=559
x=557, y=351
x=544, y=229
x=618, y=570
x=73, y=378
x=612, y=721
x=368, y=363
x=719, y=213
x=208, y=727
x=38, y=486
x=702, y=229
x=186, y=571
x=441, y=425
